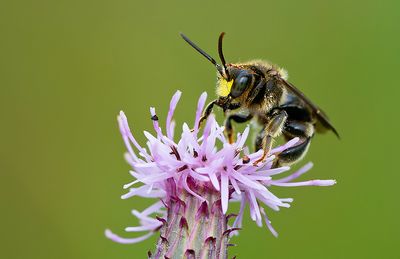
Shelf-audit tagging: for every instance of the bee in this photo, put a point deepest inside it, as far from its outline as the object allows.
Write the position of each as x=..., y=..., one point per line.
x=260, y=90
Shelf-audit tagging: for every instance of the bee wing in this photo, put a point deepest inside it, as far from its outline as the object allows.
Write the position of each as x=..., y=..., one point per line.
x=321, y=116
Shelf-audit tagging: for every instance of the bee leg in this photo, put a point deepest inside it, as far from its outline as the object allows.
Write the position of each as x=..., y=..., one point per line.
x=210, y=106
x=239, y=118
x=259, y=140
x=272, y=130
x=231, y=106
x=303, y=130
x=207, y=112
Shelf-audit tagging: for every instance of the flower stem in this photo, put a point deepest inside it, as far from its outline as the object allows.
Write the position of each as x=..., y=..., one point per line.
x=193, y=228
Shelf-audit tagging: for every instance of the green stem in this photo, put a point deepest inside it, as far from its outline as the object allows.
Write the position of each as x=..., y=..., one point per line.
x=193, y=228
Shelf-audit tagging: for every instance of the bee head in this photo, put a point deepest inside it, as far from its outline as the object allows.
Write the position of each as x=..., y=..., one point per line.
x=232, y=80
x=240, y=79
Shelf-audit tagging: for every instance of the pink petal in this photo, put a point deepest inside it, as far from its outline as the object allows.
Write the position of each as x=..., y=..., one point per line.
x=155, y=122
x=307, y=183
x=268, y=223
x=199, y=111
x=287, y=145
x=172, y=106
x=122, y=240
x=186, y=186
x=224, y=192
x=295, y=175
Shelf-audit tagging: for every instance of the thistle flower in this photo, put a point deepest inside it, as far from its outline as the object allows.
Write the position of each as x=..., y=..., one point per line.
x=193, y=183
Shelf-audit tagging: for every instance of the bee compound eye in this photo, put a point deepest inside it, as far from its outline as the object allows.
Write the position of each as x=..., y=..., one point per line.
x=239, y=85
x=243, y=81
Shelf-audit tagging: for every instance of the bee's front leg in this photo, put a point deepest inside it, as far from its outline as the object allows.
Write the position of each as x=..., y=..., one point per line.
x=273, y=129
x=239, y=118
x=207, y=112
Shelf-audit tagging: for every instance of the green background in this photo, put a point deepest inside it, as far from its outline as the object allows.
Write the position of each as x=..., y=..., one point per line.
x=68, y=67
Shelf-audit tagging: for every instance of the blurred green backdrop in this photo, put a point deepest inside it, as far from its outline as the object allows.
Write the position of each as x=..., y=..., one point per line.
x=68, y=67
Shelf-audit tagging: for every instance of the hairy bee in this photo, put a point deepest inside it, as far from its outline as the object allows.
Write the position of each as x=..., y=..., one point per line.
x=260, y=90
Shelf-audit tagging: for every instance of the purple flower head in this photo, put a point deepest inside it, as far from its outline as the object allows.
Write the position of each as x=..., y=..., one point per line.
x=167, y=167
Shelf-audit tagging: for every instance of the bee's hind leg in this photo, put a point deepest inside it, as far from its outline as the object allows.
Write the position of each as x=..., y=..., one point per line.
x=239, y=118
x=273, y=129
x=303, y=130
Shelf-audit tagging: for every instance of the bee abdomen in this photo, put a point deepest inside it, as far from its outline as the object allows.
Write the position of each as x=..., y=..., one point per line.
x=298, y=129
x=293, y=154
x=297, y=112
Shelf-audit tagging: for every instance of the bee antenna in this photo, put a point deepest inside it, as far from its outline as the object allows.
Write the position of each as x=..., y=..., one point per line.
x=220, y=69
x=221, y=54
